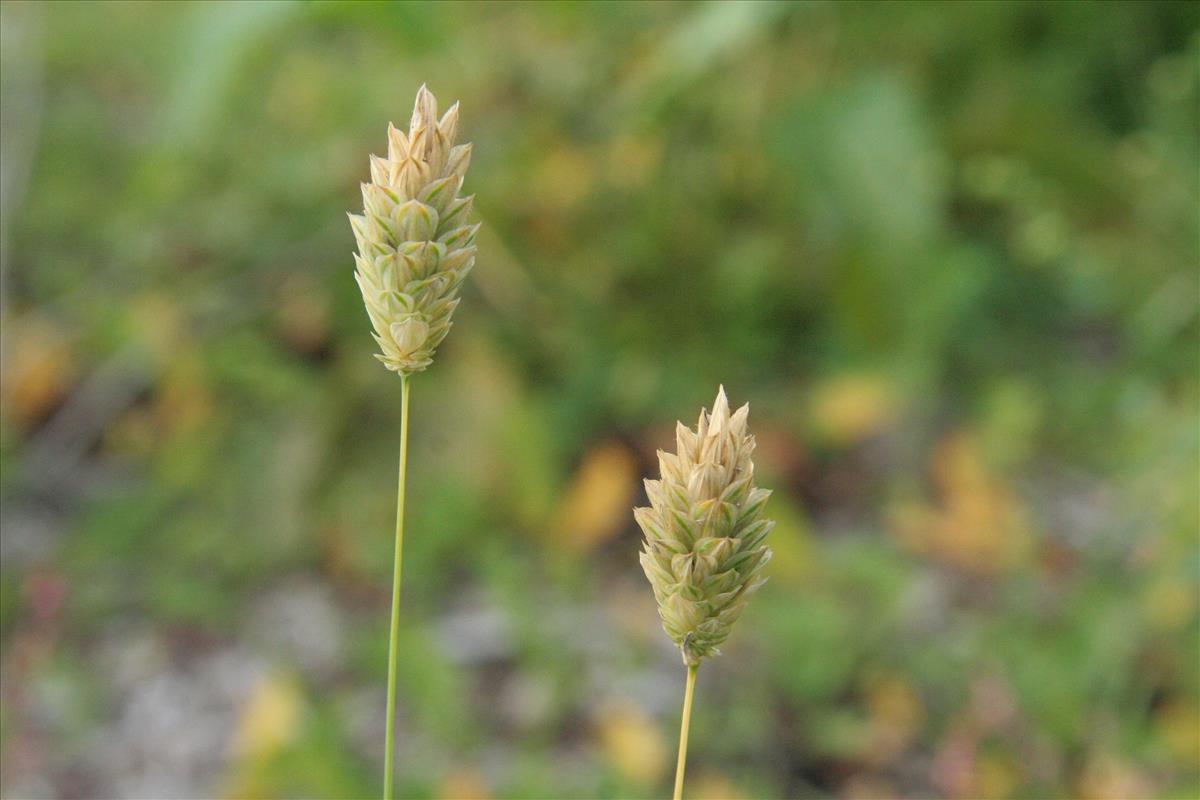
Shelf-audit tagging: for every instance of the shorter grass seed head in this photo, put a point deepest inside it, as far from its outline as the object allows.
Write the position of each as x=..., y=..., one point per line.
x=415, y=242
x=704, y=551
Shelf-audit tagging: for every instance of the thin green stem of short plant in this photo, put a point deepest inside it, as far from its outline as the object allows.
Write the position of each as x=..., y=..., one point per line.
x=393, y=639
x=683, y=730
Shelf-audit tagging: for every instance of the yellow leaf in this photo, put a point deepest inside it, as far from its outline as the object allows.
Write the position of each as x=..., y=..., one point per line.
x=1107, y=777
x=270, y=718
x=37, y=371
x=633, y=160
x=632, y=743
x=184, y=402
x=158, y=322
x=978, y=526
x=996, y=776
x=1169, y=603
x=850, y=408
x=565, y=176
x=599, y=500
x=714, y=786
x=1178, y=724
x=463, y=783
x=896, y=716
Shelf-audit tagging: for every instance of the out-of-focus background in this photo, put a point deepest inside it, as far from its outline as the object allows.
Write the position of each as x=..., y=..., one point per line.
x=947, y=252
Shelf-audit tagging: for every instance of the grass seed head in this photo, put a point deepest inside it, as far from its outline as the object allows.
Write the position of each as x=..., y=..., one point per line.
x=415, y=240
x=704, y=552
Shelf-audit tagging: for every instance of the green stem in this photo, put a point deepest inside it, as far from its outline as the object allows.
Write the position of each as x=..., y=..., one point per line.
x=683, y=730
x=393, y=641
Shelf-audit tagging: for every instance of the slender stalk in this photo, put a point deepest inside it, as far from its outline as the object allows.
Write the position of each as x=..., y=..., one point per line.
x=683, y=730
x=393, y=643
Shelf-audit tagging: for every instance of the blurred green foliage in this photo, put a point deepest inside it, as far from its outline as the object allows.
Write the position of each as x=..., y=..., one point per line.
x=947, y=251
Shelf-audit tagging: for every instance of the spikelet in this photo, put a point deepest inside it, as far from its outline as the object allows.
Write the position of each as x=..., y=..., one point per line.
x=415, y=243
x=704, y=550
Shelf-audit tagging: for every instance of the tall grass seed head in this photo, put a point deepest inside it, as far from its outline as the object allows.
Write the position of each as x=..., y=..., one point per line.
x=415, y=240
x=703, y=551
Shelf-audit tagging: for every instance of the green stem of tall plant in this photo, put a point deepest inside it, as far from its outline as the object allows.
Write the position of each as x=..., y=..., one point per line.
x=393, y=639
x=683, y=730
